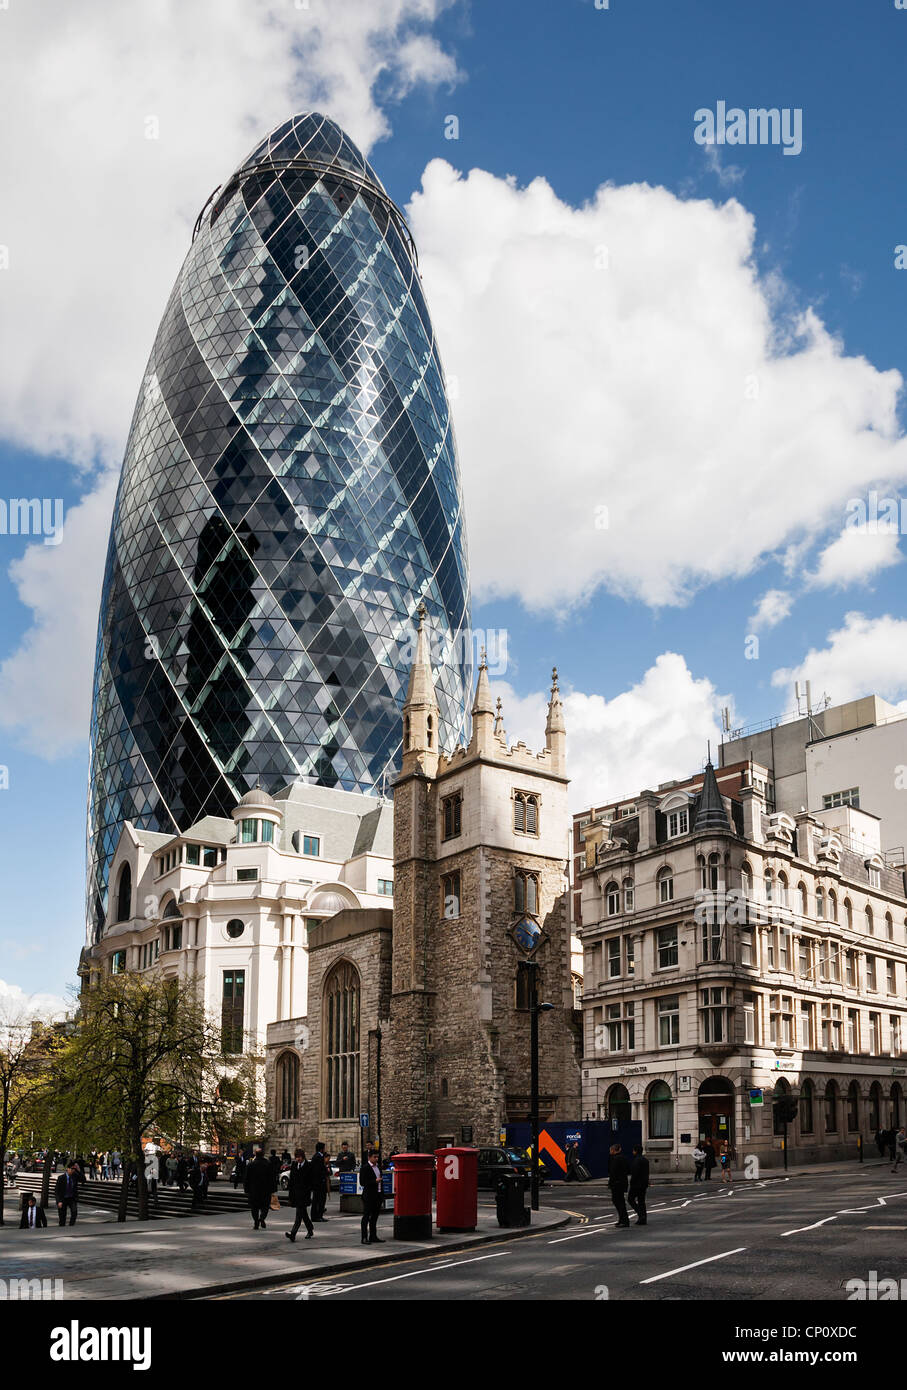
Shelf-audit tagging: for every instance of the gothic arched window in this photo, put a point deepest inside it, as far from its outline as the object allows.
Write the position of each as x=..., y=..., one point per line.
x=288, y=1086
x=124, y=894
x=340, y=1018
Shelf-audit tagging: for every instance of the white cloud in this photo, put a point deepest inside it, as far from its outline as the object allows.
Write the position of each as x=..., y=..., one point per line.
x=17, y=1007
x=867, y=656
x=45, y=686
x=615, y=748
x=623, y=363
x=854, y=557
x=98, y=217
x=773, y=607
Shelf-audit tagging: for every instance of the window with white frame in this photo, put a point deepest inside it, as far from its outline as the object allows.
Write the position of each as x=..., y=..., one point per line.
x=749, y=1018
x=669, y=1020
x=620, y=1027
x=665, y=886
x=713, y=1013
x=628, y=894
x=849, y=797
x=667, y=947
x=612, y=899
x=678, y=823
x=614, y=958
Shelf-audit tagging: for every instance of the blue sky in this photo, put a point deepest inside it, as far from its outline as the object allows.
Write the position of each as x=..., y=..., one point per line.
x=580, y=97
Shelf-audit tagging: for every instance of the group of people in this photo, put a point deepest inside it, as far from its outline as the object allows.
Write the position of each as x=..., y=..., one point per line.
x=704, y=1160
x=629, y=1181
x=892, y=1142
x=308, y=1181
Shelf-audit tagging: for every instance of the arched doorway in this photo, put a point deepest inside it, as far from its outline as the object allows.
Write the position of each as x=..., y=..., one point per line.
x=897, y=1105
x=617, y=1105
x=716, y=1111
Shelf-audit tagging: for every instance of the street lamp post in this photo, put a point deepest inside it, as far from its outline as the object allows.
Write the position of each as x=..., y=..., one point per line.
x=535, y=1010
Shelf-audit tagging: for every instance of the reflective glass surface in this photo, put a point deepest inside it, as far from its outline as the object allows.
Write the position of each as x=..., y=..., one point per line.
x=290, y=492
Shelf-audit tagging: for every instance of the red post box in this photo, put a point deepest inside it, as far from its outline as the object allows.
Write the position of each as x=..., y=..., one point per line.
x=458, y=1189
x=412, y=1196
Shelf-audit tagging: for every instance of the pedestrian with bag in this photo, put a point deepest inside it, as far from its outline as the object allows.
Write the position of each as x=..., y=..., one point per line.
x=618, y=1181
x=900, y=1148
x=639, y=1182
x=725, y=1161
x=699, y=1162
x=299, y=1192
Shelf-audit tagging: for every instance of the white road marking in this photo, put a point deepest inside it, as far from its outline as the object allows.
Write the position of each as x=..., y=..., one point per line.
x=683, y=1268
x=591, y=1231
x=392, y=1279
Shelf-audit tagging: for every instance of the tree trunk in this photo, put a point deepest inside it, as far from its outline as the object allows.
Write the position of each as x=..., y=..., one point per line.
x=124, y=1190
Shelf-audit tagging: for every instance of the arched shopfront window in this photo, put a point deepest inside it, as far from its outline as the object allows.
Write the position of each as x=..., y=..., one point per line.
x=661, y=1111
x=806, y=1108
x=617, y=1105
x=853, y=1107
x=831, y=1108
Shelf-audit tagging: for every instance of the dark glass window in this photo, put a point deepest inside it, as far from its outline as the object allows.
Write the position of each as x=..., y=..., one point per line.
x=124, y=895
x=231, y=1012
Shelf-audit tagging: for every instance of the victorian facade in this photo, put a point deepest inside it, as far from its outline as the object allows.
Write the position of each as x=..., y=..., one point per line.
x=735, y=954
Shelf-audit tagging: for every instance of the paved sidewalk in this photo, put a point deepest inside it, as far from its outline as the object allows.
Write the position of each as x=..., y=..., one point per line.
x=173, y=1258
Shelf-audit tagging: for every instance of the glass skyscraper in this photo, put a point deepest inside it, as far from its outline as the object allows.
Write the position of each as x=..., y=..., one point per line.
x=290, y=492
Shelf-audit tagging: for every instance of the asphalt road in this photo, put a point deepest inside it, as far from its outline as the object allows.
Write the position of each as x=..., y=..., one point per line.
x=795, y=1239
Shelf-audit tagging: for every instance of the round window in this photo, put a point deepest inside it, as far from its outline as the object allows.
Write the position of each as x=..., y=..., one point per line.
x=236, y=927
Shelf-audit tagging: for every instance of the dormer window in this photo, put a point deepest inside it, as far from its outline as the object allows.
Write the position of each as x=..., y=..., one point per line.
x=678, y=823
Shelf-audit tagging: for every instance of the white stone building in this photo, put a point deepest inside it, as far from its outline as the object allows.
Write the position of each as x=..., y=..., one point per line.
x=231, y=902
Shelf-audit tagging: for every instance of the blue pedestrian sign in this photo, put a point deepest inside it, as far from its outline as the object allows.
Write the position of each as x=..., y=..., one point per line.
x=363, y=1120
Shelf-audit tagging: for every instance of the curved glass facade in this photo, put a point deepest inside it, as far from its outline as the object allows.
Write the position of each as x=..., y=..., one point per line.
x=290, y=492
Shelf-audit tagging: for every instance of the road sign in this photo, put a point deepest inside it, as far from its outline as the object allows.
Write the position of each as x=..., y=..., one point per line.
x=363, y=1120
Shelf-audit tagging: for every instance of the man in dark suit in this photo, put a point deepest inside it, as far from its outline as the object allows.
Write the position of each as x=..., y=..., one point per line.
x=66, y=1194
x=618, y=1172
x=318, y=1169
x=639, y=1181
x=370, y=1181
x=32, y=1215
x=259, y=1184
x=299, y=1191
x=346, y=1160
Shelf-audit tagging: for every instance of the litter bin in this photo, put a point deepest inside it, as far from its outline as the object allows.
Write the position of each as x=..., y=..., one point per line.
x=412, y=1196
x=509, y=1192
x=458, y=1180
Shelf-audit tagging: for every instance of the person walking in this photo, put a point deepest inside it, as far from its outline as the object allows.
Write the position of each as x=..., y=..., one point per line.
x=639, y=1182
x=699, y=1162
x=725, y=1162
x=370, y=1182
x=182, y=1172
x=239, y=1169
x=117, y=1162
x=900, y=1148
x=66, y=1194
x=172, y=1165
x=618, y=1176
x=299, y=1192
x=33, y=1216
x=319, y=1171
x=259, y=1183
x=196, y=1180
x=710, y=1159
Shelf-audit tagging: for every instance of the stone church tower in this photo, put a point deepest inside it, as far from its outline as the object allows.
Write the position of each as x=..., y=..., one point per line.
x=480, y=919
